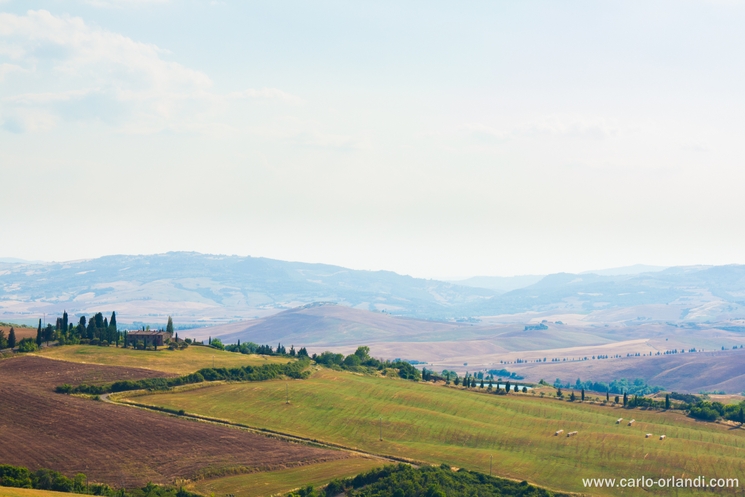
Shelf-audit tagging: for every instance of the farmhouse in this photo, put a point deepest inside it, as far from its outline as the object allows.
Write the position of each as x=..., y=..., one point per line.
x=148, y=337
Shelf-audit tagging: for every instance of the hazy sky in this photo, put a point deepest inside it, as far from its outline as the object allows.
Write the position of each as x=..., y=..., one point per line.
x=438, y=139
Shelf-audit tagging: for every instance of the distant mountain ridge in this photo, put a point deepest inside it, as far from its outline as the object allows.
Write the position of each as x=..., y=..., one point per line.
x=212, y=289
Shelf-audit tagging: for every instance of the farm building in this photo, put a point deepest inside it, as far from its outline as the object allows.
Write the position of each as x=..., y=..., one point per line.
x=148, y=337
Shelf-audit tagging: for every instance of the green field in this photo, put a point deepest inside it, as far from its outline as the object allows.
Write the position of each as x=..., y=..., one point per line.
x=283, y=481
x=463, y=429
x=169, y=361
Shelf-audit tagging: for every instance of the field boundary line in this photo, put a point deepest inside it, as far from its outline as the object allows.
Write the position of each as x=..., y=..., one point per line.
x=267, y=432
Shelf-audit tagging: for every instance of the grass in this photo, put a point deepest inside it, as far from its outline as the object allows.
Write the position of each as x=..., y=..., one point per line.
x=169, y=361
x=464, y=429
x=27, y=492
x=285, y=480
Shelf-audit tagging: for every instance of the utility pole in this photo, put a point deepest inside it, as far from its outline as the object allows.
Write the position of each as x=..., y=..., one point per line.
x=380, y=428
x=491, y=458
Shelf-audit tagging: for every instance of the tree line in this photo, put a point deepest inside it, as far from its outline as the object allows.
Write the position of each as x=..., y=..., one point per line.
x=47, y=479
x=620, y=386
x=294, y=369
x=253, y=348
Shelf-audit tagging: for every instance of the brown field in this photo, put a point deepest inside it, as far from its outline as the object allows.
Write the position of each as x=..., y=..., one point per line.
x=20, y=332
x=120, y=445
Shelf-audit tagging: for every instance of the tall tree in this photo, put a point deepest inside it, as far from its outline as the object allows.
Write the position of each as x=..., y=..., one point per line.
x=667, y=401
x=12, y=338
x=38, y=334
x=48, y=333
x=625, y=399
x=169, y=326
x=65, y=321
x=583, y=395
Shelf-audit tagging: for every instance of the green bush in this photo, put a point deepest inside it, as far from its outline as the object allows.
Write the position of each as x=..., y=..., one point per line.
x=27, y=345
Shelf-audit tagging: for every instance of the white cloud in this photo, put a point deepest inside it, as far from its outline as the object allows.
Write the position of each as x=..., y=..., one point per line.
x=82, y=72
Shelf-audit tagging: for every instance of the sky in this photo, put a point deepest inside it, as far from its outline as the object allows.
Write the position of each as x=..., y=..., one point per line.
x=436, y=139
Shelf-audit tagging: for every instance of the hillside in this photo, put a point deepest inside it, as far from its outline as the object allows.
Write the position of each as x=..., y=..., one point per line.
x=209, y=289
x=464, y=429
x=708, y=371
x=197, y=287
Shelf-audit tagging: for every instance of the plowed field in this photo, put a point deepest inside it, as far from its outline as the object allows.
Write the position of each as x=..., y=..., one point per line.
x=115, y=444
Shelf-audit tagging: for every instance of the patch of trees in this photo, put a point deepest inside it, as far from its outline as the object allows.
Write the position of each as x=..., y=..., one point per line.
x=503, y=373
x=711, y=411
x=623, y=385
x=361, y=362
x=47, y=479
x=295, y=369
x=426, y=481
x=98, y=330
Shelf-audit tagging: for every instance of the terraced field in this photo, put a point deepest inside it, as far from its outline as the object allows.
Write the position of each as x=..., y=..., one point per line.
x=169, y=361
x=464, y=429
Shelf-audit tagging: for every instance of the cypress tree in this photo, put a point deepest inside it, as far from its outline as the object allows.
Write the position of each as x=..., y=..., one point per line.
x=12, y=338
x=482, y=383
x=607, y=395
x=169, y=326
x=583, y=395
x=667, y=401
x=625, y=399
x=65, y=321
x=112, y=323
x=38, y=334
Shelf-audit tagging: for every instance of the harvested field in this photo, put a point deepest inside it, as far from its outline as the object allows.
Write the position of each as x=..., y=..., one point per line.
x=169, y=361
x=21, y=333
x=120, y=445
x=27, y=492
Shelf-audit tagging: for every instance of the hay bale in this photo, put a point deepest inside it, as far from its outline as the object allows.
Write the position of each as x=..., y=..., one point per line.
x=618, y=421
x=558, y=432
x=662, y=437
x=571, y=433
x=648, y=435
x=631, y=422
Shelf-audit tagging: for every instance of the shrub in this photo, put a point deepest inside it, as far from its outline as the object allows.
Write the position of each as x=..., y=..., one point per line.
x=27, y=345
